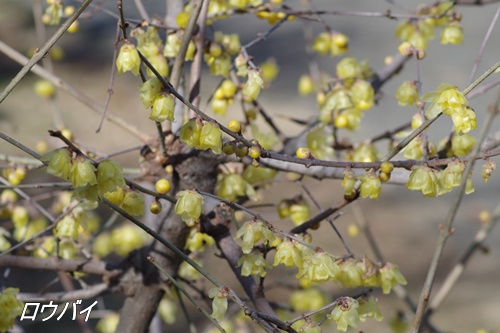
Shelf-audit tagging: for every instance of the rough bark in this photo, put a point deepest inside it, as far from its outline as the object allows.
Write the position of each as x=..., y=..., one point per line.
x=142, y=284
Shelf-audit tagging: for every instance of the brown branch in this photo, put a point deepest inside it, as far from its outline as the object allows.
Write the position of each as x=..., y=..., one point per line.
x=107, y=269
x=195, y=73
x=66, y=296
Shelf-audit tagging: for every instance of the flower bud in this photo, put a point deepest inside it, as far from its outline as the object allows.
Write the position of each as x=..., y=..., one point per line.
x=306, y=85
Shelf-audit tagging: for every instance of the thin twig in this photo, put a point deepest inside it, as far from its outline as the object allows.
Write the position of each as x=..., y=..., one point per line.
x=142, y=10
x=330, y=220
x=42, y=51
x=479, y=56
x=111, y=78
x=41, y=34
x=459, y=268
x=75, y=92
x=189, y=297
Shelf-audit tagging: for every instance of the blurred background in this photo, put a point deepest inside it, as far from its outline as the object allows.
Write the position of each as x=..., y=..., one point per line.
x=404, y=223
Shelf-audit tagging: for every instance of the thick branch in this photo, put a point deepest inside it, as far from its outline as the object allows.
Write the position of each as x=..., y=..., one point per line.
x=108, y=269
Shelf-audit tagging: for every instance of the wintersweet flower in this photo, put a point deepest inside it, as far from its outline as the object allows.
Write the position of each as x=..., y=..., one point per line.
x=464, y=120
x=452, y=34
x=126, y=238
x=251, y=233
x=10, y=308
x=211, y=137
x=109, y=176
x=368, y=308
x=299, y=212
x=82, y=172
x=319, y=267
x=487, y=170
x=407, y=93
x=133, y=203
x=390, y=276
x=128, y=59
x=447, y=99
x=252, y=87
x=149, y=90
x=20, y=216
x=189, y=206
x=451, y=176
x=423, y=179
x=362, y=94
x=350, y=275
x=348, y=183
x=365, y=153
x=253, y=174
x=190, y=133
x=219, y=303
x=322, y=43
x=371, y=185
x=253, y=264
x=320, y=142
x=196, y=241
x=163, y=108
x=287, y=254
x=345, y=314
x=310, y=327
x=461, y=145
x=59, y=162
x=67, y=227
x=348, y=68
x=233, y=186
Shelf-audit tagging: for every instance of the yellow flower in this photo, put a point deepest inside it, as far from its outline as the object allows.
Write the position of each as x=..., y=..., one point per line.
x=82, y=172
x=109, y=177
x=447, y=99
x=10, y=308
x=253, y=264
x=319, y=267
x=345, y=313
x=219, y=304
x=59, y=162
x=390, y=276
x=189, y=206
x=128, y=59
x=423, y=179
x=211, y=137
x=287, y=254
x=252, y=232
